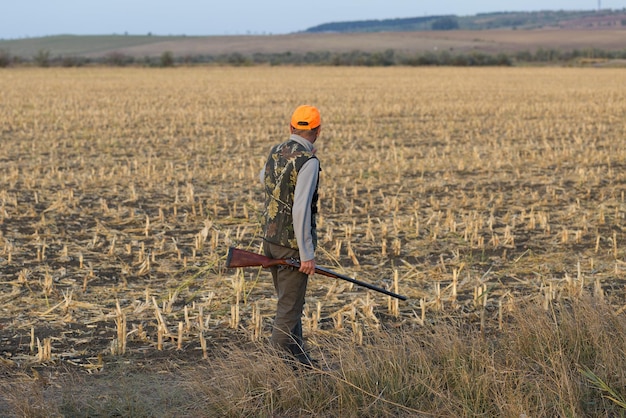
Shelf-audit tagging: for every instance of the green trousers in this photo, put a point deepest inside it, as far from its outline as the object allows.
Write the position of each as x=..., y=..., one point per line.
x=290, y=287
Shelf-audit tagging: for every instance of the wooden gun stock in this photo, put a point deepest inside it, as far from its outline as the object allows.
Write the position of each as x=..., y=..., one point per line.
x=243, y=258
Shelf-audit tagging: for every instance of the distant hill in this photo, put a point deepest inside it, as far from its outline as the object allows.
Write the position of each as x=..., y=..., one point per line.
x=386, y=25
x=498, y=20
x=457, y=41
x=509, y=33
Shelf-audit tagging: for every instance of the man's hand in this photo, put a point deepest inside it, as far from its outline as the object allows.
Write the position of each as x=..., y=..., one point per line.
x=307, y=267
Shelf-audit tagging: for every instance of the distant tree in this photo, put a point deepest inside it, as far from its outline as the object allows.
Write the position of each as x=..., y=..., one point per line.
x=5, y=58
x=547, y=55
x=524, y=56
x=167, y=59
x=69, y=61
x=388, y=57
x=238, y=60
x=413, y=23
x=445, y=58
x=146, y=61
x=118, y=59
x=503, y=60
x=460, y=60
x=445, y=23
x=42, y=58
x=427, y=58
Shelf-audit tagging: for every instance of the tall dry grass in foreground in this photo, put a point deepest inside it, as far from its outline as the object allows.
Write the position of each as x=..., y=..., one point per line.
x=562, y=362
x=492, y=198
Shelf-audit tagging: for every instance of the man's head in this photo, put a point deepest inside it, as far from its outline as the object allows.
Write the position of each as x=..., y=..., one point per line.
x=306, y=122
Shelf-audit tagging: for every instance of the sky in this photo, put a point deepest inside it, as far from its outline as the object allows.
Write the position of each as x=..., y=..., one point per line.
x=34, y=18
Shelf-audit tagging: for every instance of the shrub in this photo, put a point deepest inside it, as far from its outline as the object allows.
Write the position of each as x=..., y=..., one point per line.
x=167, y=59
x=5, y=58
x=118, y=59
x=238, y=60
x=72, y=61
x=42, y=59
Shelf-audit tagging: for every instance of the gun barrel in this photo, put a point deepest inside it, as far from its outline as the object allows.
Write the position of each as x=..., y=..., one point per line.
x=331, y=273
x=242, y=258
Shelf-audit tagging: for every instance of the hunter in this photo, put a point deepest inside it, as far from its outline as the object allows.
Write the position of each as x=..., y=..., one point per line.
x=290, y=178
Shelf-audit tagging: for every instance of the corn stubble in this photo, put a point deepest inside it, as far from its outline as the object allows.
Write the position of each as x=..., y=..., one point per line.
x=492, y=198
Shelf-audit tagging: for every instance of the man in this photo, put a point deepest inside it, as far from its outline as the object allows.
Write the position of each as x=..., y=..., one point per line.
x=290, y=178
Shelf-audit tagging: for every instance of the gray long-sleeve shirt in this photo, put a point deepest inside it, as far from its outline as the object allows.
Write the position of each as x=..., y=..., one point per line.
x=303, y=195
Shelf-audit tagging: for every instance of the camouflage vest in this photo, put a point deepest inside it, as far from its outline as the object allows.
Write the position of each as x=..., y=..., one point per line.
x=281, y=172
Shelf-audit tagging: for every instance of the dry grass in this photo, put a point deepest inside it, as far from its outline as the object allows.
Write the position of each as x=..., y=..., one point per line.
x=544, y=363
x=495, y=198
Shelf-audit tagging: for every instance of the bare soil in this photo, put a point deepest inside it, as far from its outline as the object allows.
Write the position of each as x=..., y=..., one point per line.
x=122, y=189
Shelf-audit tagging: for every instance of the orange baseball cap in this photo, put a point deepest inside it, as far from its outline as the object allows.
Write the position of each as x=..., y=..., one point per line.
x=306, y=117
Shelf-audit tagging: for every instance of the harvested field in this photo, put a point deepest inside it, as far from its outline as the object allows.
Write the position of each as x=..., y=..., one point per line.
x=475, y=190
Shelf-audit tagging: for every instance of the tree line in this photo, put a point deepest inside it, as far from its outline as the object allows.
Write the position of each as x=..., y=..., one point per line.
x=388, y=57
x=482, y=21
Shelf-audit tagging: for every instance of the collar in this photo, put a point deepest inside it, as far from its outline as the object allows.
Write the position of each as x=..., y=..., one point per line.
x=302, y=141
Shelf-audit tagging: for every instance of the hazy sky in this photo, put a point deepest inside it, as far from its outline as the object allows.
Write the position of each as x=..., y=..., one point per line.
x=29, y=18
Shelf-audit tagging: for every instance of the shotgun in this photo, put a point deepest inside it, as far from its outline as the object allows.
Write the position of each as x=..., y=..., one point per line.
x=243, y=258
